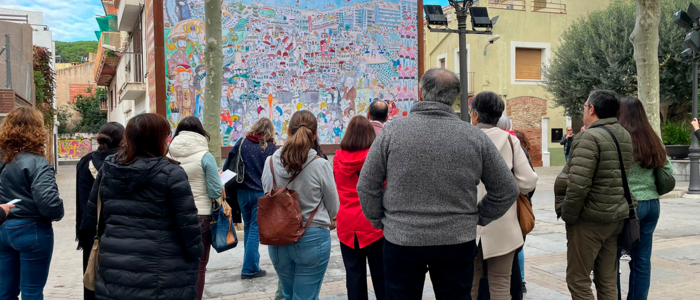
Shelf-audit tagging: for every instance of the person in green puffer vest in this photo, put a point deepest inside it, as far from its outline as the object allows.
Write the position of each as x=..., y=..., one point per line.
x=590, y=198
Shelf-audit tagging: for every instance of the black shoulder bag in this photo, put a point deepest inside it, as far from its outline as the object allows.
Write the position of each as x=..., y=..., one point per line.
x=629, y=238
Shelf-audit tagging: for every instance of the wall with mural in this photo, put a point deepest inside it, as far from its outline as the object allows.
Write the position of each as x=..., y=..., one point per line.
x=72, y=148
x=331, y=57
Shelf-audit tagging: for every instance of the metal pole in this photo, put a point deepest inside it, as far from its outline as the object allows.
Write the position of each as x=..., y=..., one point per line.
x=694, y=186
x=463, y=74
x=8, y=62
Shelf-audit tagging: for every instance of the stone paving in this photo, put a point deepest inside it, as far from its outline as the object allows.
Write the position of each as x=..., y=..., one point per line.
x=676, y=255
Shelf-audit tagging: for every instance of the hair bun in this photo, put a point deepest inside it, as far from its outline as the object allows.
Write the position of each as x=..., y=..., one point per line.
x=104, y=139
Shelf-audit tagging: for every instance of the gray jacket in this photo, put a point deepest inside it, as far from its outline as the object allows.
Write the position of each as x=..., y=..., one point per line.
x=432, y=163
x=315, y=186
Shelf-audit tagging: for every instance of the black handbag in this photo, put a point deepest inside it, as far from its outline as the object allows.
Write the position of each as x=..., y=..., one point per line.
x=238, y=166
x=665, y=182
x=629, y=237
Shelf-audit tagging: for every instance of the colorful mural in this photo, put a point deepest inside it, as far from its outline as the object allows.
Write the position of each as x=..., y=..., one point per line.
x=331, y=57
x=74, y=149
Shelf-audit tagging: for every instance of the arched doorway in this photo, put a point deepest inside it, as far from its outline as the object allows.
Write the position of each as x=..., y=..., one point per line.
x=527, y=113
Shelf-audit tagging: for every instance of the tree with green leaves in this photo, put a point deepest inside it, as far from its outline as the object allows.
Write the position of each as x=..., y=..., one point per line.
x=73, y=52
x=64, y=115
x=88, y=107
x=596, y=53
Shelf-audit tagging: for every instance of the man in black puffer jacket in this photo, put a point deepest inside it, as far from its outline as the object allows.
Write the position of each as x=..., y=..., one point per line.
x=150, y=236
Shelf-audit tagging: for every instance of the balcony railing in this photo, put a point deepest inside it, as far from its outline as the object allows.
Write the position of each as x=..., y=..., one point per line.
x=549, y=6
x=104, y=103
x=108, y=57
x=507, y=4
x=130, y=77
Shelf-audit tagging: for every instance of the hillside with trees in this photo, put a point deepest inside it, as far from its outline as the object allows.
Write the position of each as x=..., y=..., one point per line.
x=71, y=52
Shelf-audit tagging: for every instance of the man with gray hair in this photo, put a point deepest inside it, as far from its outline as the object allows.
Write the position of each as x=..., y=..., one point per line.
x=432, y=163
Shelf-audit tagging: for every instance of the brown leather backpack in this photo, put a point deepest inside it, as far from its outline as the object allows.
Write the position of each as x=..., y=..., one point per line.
x=280, y=221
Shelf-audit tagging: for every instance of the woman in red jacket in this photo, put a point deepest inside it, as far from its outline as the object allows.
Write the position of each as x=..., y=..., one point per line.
x=359, y=241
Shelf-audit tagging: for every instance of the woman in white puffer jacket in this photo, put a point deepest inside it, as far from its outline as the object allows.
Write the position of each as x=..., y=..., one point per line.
x=190, y=147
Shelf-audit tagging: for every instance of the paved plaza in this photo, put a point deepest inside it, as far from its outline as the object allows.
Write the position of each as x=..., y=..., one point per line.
x=675, y=275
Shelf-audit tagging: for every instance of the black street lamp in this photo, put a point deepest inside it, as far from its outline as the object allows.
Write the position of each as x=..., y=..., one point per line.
x=480, y=19
x=691, y=20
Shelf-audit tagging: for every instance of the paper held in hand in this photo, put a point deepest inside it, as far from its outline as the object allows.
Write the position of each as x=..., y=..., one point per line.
x=226, y=176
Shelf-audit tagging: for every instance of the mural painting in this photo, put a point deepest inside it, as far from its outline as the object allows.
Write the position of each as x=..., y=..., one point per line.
x=74, y=149
x=331, y=57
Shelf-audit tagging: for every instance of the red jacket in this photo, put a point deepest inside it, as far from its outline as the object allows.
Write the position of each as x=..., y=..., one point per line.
x=350, y=220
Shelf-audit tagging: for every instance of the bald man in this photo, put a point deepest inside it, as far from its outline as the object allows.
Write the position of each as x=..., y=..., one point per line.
x=378, y=114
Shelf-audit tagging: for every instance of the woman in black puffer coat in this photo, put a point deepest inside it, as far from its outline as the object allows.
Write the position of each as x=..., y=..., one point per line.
x=151, y=241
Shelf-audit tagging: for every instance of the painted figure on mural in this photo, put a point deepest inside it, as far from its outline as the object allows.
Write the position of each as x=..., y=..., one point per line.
x=349, y=93
x=194, y=31
x=183, y=10
x=200, y=74
x=185, y=91
x=180, y=56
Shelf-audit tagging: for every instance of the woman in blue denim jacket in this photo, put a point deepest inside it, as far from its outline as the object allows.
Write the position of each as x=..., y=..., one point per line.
x=26, y=238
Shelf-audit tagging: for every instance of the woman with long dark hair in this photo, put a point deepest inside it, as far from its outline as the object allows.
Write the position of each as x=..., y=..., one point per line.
x=360, y=243
x=109, y=138
x=302, y=265
x=649, y=155
x=190, y=147
x=257, y=145
x=149, y=233
x=26, y=237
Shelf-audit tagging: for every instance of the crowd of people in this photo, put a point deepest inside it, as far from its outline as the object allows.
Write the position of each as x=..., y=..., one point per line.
x=427, y=193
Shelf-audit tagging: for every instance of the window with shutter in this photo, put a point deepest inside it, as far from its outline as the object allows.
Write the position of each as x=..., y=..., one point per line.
x=528, y=63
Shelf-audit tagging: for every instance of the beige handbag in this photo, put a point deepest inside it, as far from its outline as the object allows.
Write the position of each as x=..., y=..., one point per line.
x=90, y=275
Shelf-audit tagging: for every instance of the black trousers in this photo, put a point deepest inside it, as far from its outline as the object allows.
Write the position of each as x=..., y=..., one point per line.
x=86, y=239
x=355, y=261
x=450, y=270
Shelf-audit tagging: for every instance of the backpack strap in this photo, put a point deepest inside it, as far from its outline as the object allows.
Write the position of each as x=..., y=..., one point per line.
x=512, y=150
x=272, y=170
x=302, y=170
x=274, y=180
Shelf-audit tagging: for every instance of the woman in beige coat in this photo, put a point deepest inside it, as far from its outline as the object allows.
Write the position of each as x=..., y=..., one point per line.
x=499, y=241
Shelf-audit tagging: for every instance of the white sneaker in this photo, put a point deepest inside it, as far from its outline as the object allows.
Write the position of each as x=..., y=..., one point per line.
x=625, y=257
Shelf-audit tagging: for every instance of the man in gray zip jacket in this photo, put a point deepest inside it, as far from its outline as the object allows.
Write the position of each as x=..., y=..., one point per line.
x=432, y=163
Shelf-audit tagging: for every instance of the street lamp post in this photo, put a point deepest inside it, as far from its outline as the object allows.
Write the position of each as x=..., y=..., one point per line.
x=480, y=18
x=694, y=186
x=464, y=75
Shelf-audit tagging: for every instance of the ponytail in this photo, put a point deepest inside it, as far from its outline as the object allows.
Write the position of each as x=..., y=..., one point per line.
x=295, y=152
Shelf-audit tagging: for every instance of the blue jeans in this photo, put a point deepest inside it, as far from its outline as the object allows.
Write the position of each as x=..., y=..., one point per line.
x=640, y=264
x=248, y=200
x=301, y=266
x=521, y=260
x=26, y=246
x=566, y=157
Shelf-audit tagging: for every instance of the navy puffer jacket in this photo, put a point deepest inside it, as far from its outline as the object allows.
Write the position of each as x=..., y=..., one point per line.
x=151, y=240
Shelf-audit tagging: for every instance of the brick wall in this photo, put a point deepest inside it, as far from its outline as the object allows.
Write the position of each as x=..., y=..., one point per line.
x=78, y=89
x=527, y=113
x=7, y=100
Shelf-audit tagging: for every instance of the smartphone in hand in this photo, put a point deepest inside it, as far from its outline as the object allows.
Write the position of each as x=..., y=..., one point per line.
x=14, y=201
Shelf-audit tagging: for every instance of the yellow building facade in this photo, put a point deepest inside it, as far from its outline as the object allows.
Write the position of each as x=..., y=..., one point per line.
x=526, y=35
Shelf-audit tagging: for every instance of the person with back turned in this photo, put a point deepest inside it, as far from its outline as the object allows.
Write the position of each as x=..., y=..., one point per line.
x=432, y=163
